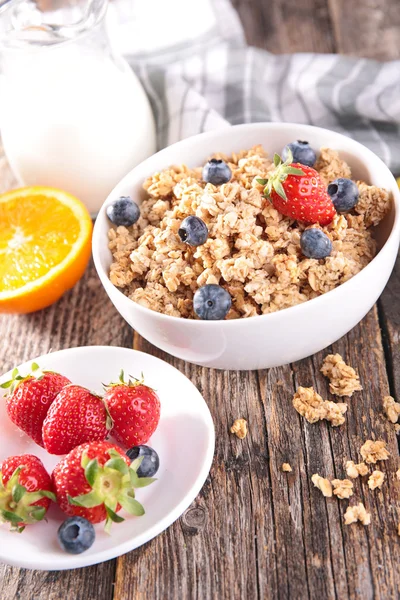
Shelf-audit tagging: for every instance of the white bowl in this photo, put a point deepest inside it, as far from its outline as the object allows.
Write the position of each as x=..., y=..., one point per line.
x=277, y=338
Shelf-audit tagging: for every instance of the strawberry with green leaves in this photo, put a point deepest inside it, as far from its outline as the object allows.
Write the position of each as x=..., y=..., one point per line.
x=25, y=491
x=30, y=397
x=96, y=480
x=298, y=192
x=134, y=409
x=75, y=417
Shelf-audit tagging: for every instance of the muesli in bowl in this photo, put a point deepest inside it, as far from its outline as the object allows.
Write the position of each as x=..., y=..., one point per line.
x=245, y=234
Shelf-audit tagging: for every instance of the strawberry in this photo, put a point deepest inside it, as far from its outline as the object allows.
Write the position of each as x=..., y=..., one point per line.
x=134, y=409
x=298, y=192
x=96, y=480
x=25, y=491
x=30, y=398
x=75, y=417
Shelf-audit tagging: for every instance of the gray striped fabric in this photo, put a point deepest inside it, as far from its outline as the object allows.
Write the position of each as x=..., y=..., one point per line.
x=212, y=79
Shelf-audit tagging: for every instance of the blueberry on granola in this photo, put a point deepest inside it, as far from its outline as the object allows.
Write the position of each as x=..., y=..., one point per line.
x=344, y=193
x=216, y=172
x=211, y=302
x=193, y=231
x=302, y=153
x=315, y=243
x=123, y=211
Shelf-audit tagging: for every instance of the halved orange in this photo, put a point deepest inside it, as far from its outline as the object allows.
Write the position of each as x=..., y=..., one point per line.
x=45, y=244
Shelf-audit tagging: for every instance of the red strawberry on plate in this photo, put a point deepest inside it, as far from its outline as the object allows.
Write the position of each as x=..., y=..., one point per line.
x=96, y=480
x=298, y=192
x=30, y=398
x=134, y=409
x=25, y=491
x=75, y=417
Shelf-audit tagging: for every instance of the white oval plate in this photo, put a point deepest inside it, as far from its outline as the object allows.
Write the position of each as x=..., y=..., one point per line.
x=184, y=441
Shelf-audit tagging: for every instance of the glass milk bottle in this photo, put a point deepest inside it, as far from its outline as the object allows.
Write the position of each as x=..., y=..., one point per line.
x=73, y=115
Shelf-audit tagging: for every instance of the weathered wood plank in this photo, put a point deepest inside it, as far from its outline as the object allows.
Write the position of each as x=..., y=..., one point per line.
x=370, y=29
x=283, y=26
x=268, y=534
x=389, y=309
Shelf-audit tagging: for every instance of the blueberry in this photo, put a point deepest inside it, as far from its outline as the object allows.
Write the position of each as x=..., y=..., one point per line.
x=76, y=535
x=302, y=153
x=123, y=211
x=216, y=172
x=344, y=193
x=211, y=302
x=315, y=244
x=193, y=231
x=150, y=462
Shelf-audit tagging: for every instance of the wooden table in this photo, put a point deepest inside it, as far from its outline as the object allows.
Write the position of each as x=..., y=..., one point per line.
x=254, y=532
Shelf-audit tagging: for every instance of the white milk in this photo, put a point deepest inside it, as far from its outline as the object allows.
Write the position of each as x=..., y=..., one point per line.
x=75, y=119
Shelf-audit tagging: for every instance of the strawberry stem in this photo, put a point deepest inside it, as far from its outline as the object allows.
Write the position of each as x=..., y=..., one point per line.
x=279, y=175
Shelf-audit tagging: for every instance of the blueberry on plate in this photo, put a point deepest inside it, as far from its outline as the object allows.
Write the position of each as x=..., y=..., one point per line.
x=193, y=231
x=211, y=302
x=76, y=535
x=344, y=194
x=123, y=211
x=315, y=243
x=216, y=172
x=302, y=153
x=150, y=463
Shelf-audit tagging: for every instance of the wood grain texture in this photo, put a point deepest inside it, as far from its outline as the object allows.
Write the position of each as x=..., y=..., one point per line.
x=367, y=28
x=254, y=531
x=285, y=26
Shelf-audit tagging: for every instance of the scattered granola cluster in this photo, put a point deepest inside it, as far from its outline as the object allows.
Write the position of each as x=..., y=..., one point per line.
x=357, y=513
x=373, y=451
x=391, y=409
x=354, y=470
x=322, y=484
x=344, y=381
x=286, y=468
x=376, y=480
x=252, y=250
x=312, y=407
x=239, y=428
x=343, y=488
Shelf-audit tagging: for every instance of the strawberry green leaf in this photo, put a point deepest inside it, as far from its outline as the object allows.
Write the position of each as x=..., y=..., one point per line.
x=91, y=470
x=38, y=513
x=135, y=464
x=289, y=158
x=18, y=491
x=262, y=181
x=118, y=464
x=278, y=187
x=277, y=160
x=11, y=517
x=132, y=506
x=292, y=171
x=113, y=515
x=89, y=500
x=34, y=367
x=47, y=494
x=6, y=384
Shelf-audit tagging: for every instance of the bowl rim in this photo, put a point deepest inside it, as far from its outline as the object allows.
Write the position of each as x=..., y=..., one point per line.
x=241, y=322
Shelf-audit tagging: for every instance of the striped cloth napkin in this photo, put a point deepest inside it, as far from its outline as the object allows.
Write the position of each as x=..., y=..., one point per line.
x=199, y=74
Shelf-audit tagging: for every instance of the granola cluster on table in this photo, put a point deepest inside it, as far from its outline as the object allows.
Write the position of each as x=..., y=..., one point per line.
x=252, y=251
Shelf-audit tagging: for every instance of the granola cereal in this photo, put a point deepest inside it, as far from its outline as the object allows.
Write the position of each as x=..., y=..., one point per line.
x=252, y=250
x=391, y=409
x=344, y=380
x=357, y=513
x=286, y=468
x=354, y=470
x=239, y=427
x=376, y=480
x=343, y=488
x=312, y=407
x=373, y=451
x=322, y=484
